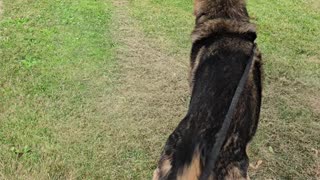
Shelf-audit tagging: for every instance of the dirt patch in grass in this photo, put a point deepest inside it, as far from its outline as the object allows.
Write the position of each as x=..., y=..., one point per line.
x=313, y=59
x=1, y=8
x=317, y=166
x=315, y=4
x=315, y=103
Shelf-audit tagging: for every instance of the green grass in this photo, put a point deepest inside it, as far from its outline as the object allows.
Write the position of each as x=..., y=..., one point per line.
x=64, y=113
x=289, y=40
x=55, y=57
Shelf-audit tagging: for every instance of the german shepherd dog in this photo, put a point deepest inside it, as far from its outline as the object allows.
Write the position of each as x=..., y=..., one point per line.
x=223, y=46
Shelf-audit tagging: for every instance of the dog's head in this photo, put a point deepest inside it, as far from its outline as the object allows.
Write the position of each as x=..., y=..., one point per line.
x=226, y=9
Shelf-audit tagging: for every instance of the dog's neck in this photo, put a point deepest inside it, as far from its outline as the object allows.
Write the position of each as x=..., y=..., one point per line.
x=221, y=9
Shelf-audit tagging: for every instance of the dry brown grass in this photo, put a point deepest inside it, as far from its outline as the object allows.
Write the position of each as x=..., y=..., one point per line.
x=313, y=59
x=315, y=4
x=315, y=103
x=1, y=8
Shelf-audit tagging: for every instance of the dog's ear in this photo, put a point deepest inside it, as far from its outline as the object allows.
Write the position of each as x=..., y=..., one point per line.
x=198, y=7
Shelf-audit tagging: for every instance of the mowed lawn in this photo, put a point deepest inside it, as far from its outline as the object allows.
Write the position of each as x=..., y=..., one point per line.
x=56, y=60
x=60, y=69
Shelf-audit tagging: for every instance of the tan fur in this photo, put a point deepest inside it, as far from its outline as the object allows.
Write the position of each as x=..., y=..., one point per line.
x=194, y=67
x=235, y=173
x=221, y=25
x=230, y=141
x=193, y=171
x=156, y=174
x=254, y=98
x=198, y=4
x=164, y=169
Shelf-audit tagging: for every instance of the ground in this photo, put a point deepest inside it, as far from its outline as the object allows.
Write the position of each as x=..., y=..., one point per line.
x=92, y=89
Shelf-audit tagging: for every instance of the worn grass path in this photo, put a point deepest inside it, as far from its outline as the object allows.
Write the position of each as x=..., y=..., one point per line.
x=149, y=100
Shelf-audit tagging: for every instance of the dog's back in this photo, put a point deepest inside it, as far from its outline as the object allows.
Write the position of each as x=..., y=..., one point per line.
x=221, y=50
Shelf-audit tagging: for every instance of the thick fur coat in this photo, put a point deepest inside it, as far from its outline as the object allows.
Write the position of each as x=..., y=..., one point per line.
x=223, y=39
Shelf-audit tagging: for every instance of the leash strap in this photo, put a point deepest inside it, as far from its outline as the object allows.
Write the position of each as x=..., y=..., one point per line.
x=221, y=136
